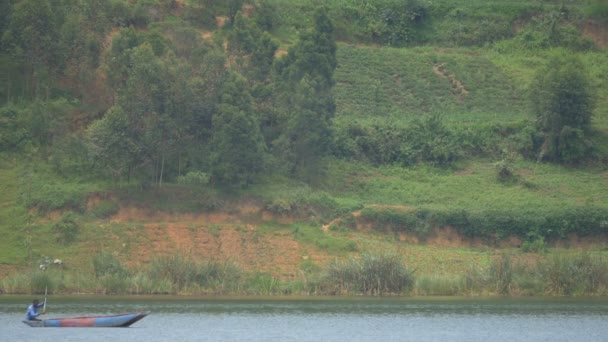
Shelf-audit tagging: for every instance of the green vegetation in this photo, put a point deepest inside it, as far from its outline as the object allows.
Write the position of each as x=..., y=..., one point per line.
x=373, y=274
x=487, y=117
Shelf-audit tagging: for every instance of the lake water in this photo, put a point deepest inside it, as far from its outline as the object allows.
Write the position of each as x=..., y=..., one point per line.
x=316, y=319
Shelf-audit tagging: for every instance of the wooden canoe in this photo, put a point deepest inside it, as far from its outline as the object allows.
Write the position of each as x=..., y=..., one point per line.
x=123, y=320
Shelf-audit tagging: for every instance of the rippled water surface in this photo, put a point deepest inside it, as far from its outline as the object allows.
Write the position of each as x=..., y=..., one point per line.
x=398, y=319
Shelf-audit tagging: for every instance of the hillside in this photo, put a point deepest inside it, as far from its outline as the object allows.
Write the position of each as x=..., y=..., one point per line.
x=174, y=129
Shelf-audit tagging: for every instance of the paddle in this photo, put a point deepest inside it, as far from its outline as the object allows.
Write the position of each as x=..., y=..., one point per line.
x=44, y=306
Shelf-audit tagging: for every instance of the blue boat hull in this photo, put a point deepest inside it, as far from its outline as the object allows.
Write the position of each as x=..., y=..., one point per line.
x=123, y=320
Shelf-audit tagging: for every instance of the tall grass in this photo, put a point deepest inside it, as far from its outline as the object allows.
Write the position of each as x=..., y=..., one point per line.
x=372, y=275
x=106, y=263
x=186, y=274
x=439, y=285
x=578, y=275
x=501, y=274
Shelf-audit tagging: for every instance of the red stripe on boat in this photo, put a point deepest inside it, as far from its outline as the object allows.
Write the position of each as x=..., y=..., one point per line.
x=78, y=322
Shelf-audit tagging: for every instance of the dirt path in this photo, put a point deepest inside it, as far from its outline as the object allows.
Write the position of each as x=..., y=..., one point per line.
x=458, y=90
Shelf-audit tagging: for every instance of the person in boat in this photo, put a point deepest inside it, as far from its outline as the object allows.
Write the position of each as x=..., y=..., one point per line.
x=32, y=311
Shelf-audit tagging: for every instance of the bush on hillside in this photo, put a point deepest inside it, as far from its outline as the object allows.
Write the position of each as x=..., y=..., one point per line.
x=563, y=102
x=106, y=264
x=105, y=209
x=67, y=228
x=425, y=140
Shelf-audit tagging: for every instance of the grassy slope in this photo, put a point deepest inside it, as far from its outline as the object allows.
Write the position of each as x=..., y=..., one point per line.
x=11, y=216
x=380, y=83
x=397, y=84
x=475, y=186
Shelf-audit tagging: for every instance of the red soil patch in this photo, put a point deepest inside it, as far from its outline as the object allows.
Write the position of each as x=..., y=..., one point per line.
x=220, y=21
x=206, y=35
x=247, y=10
x=276, y=254
x=234, y=236
x=280, y=53
x=217, y=236
x=597, y=32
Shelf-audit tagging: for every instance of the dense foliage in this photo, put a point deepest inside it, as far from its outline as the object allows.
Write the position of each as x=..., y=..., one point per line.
x=147, y=98
x=563, y=103
x=157, y=101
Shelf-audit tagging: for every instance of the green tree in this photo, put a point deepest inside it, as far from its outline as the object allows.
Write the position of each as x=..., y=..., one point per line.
x=31, y=36
x=313, y=55
x=66, y=228
x=304, y=80
x=242, y=36
x=237, y=144
x=13, y=136
x=146, y=101
x=309, y=130
x=430, y=141
x=262, y=57
x=146, y=87
x=194, y=91
x=265, y=15
x=563, y=102
x=119, y=57
x=111, y=144
x=234, y=7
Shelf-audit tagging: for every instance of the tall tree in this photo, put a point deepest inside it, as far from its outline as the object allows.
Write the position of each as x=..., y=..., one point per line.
x=111, y=145
x=238, y=145
x=31, y=36
x=119, y=58
x=563, y=102
x=303, y=89
x=145, y=100
x=234, y=7
x=262, y=57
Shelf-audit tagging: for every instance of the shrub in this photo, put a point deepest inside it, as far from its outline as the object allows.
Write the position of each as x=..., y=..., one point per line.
x=13, y=137
x=105, y=209
x=563, y=102
x=572, y=145
x=504, y=171
x=105, y=264
x=537, y=245
x=280, y=206
x=194, y=178
x=67, y=228
x=414, y=221
x=41, y=192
